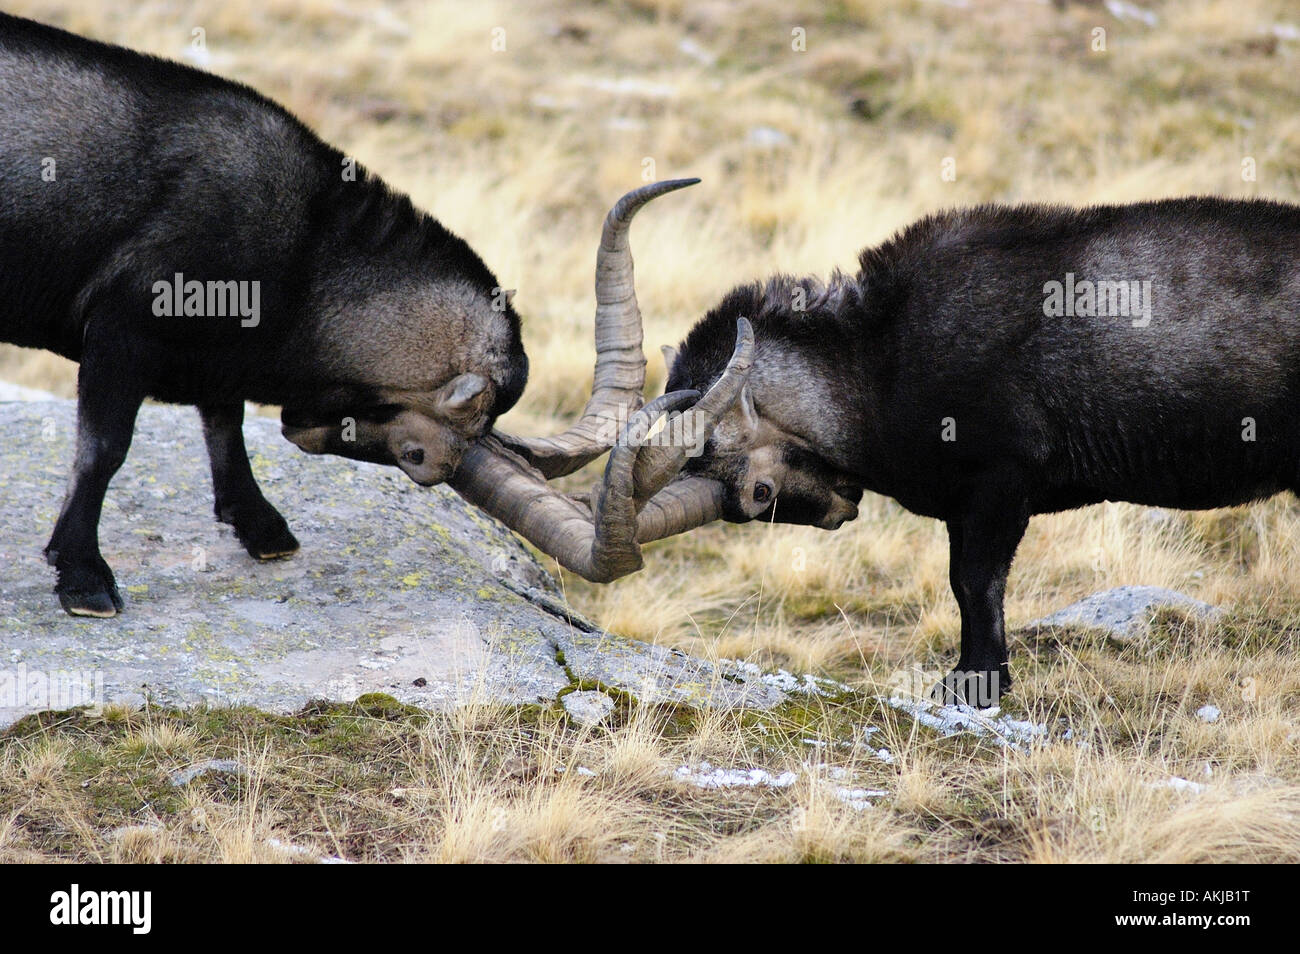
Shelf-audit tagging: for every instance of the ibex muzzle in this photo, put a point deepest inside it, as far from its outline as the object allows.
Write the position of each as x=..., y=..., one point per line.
x=426, y=444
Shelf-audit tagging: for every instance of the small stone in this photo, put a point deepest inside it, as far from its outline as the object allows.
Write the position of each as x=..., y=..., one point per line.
x=182, y=777
x=587, y=707
x=1125, y=612
x=1208, y=713
x=420, y=683
x=519, y=768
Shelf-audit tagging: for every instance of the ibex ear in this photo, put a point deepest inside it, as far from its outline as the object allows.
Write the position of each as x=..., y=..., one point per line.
x=462, y=399
x=748, y=409
x=670, y=357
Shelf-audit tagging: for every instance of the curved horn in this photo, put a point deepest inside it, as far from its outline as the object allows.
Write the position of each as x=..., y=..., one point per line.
x=620, y=362
x=598, y=543
x=683, y=505
x=634, y=503
x=656, y=466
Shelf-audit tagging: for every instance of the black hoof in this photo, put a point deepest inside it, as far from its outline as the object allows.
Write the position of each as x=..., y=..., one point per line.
x=274, y=546
x=104, y=604
x=262, y=531
x=981, y=688
x=89, y=591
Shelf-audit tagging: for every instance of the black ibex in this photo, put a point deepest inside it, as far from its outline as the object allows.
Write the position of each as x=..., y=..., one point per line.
x=991, y=364
x=185, y=239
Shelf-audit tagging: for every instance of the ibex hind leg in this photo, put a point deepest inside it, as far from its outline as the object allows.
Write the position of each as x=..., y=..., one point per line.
x=238, y=500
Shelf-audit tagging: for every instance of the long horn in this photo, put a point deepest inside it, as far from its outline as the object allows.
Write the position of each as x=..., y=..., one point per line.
x=657, y=465
x=686, y=503
x=620, y=361
x=598, y=543
x=641, y=497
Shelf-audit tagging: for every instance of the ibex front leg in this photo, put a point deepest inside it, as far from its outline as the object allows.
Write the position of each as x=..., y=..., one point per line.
x=238, y=500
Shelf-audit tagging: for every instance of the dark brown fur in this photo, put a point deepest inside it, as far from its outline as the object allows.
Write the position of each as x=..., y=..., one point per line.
x=935, y=377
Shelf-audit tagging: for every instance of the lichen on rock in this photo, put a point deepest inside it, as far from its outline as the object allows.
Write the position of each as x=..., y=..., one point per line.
x=397, y=589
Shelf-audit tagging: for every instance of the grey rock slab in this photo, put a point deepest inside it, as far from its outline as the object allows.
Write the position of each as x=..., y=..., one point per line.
x=397, y=589
x=1125, y=612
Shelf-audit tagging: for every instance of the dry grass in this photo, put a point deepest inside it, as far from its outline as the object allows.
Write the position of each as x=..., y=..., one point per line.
x=807, y=157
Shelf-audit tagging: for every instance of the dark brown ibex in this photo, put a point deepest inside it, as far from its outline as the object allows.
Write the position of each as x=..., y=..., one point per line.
x=994, y=363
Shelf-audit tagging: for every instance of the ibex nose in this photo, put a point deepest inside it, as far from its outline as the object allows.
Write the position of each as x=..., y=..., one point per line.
x=841, y=512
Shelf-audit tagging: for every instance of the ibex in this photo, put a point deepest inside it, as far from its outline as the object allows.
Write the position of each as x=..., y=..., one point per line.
x=185, y=239
x=994, y=363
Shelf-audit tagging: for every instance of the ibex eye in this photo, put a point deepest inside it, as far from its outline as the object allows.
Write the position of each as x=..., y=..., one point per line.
x=762, y=492
x=415, y=457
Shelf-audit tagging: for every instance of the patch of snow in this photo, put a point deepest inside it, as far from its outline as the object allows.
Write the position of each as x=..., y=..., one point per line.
x=765, y=137
x=1181, y=785
x=696, y=52
x=710, y=777
x=783, y=680
x=1208, y=713
x=883, y=754
x=298, y=851
x=580, y=770
x=707, y=776
x=858, y=799
x=985, y=723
